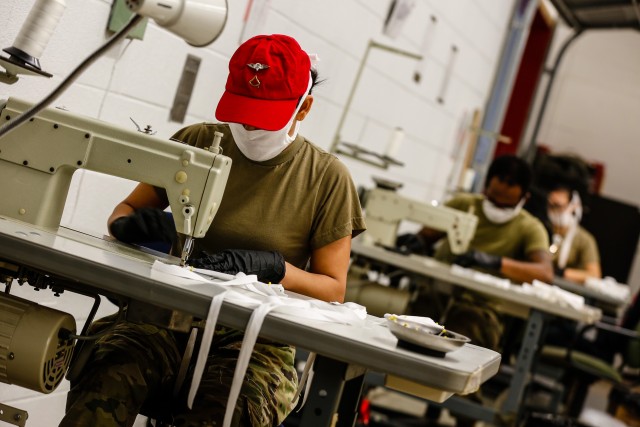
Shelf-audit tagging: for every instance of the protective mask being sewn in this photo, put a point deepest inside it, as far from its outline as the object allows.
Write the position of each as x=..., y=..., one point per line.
x=260, y=145
x=500, y=215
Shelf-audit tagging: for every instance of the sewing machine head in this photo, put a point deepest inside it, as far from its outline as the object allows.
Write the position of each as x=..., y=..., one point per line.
x=37, y=161
x=385, y=209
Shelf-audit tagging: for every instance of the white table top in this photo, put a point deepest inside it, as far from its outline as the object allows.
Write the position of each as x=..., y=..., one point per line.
x=430, y=267
x=115, y=268
x=589, y=293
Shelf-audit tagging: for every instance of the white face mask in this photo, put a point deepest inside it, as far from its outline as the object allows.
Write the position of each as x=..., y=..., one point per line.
x=564, y=219
x=260, y=145
x=500, y=215
x=568, y=217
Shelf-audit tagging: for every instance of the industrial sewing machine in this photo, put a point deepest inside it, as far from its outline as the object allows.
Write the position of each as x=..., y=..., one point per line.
x=385, y=209
x=38, y=156
x=37, y=161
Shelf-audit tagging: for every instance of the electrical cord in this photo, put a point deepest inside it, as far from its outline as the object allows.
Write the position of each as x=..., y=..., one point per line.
x=9, y=126
x=66, y=334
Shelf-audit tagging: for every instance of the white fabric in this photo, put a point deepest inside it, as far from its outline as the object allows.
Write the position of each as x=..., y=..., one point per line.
x=541, y=290
x=305, y=379
x=608, y=286
x=500, y=215
x=486, y=278
x=565, y=245
x=571, y=215
x=552, y=294
x=277, y=300
x=248, y=342
x=314, y=58
x=418, y=322
x=205, y=345
x=569, y=220
x=186, y=360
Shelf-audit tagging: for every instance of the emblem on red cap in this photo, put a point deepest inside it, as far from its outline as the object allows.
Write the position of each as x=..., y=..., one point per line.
x=256, y=66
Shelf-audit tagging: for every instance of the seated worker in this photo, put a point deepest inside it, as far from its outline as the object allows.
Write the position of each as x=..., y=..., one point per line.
x=288, y=214
x=508, y=242
x=575, y=258
x=574, y=249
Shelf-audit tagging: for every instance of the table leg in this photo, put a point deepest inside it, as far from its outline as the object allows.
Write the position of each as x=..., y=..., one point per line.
x=330, y=384
x=526, y=356
x=349, y=404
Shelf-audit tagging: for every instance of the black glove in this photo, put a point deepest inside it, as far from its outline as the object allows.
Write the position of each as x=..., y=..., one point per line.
x=411, y=243
x=479, y=259
x=269, y=266
x=144, y=225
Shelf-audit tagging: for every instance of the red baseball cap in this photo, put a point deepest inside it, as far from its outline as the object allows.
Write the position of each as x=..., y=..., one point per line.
x=267, y=76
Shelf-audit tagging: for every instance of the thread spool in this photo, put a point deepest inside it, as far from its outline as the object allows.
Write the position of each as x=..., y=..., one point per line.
x=394, y=143
x=38, y=28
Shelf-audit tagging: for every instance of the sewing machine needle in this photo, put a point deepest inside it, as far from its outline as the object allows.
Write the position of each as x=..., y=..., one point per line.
x=186, y=250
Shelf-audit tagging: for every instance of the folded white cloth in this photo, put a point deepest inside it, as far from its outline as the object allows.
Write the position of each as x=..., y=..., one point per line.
x=537, y=289
x=425, y=324
x=481, y=277
x=608, y=286
x=276, y=301
x=555, y=294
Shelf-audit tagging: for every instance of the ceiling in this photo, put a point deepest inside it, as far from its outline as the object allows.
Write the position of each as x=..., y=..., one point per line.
x=599, y=14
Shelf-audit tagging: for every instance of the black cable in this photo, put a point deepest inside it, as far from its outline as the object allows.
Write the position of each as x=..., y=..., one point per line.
x=9, y=126
x=121, y=314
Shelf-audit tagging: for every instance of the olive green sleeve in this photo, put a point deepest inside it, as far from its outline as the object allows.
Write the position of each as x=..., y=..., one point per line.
x=337, y=208
x=535, y=237
x=589, y=249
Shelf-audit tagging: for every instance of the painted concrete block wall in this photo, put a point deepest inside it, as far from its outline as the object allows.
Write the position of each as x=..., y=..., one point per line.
x=593, y=107
x=138, y=79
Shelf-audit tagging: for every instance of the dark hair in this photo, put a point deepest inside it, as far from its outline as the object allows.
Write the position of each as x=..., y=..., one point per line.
x=562, y=172
x=512, y=170
x=314, y=79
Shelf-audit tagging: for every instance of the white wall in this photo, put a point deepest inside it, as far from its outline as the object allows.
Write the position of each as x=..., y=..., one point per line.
x=593, y=110
x=138, y=79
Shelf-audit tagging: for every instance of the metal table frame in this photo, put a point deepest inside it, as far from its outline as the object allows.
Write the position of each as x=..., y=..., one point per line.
x=533, y=309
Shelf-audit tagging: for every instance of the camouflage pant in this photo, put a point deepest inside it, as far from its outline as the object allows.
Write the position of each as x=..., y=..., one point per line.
x=132, y=369
x=475, y=318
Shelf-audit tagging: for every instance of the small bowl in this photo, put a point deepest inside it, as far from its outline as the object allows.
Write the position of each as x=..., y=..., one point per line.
x=424, y=336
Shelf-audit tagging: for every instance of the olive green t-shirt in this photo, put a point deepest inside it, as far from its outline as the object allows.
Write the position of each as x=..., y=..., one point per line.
x=515, y=239
x=301, y=200
x=583, y=250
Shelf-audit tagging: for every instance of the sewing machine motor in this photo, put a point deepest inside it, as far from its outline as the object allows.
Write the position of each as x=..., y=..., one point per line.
x=35, y=344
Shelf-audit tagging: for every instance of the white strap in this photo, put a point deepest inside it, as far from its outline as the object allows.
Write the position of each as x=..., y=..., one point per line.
x=184, y=363
x=348, y=313
x=248, y=342
x=205, y=345
x=306, y=378
x=565, y=246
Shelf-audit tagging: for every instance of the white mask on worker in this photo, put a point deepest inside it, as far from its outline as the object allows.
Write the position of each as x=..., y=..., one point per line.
x=499, y=215
x=564, y=219
x=570, y=216
x=261, y=145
